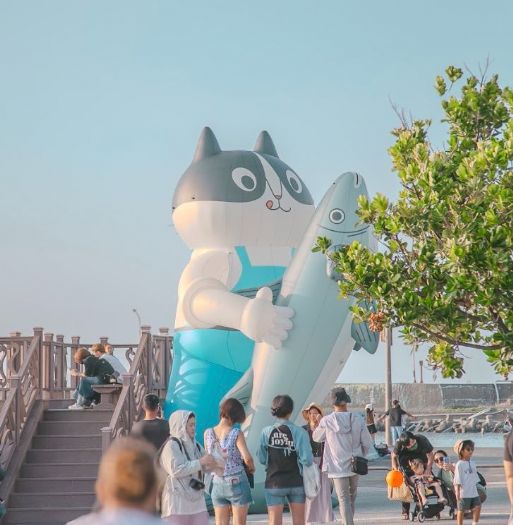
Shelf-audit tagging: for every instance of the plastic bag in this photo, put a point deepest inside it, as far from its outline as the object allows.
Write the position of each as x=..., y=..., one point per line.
x=311, y=480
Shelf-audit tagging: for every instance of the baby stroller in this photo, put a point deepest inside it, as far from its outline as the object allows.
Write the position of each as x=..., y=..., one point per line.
x=431, y=509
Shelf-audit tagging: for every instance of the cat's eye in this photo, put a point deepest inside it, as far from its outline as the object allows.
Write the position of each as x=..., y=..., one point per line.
x=337, y=215
x=294, y=181
x=244, y=179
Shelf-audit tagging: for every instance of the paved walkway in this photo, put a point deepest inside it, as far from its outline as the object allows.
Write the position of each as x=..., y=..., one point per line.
x=374, y=507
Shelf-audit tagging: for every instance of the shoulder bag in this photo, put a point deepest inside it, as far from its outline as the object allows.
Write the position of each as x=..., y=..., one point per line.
x=359, y=464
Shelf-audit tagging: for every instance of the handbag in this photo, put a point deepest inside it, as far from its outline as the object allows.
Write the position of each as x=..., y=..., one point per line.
x=401, y=493
x=311, y=480
x=359, y=464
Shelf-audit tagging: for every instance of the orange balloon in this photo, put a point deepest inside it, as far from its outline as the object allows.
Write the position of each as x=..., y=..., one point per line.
x=394, y=479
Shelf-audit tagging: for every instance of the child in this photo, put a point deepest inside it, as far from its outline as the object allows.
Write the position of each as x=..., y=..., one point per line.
x=425, y=484
x=465, y=481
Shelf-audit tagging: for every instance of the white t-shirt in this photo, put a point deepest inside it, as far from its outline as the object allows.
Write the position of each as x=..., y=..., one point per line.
x=119, y=369
x=465, y=474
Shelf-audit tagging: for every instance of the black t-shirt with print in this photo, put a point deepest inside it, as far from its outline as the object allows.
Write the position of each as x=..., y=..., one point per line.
x=282, y=468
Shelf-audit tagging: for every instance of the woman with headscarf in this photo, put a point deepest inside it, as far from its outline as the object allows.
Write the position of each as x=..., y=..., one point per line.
x=318, y=509
x=184, y=461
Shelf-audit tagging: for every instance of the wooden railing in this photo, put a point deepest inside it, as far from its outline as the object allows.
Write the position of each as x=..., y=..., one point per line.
x=23, y=389
x=38, y=368
x=149, y=372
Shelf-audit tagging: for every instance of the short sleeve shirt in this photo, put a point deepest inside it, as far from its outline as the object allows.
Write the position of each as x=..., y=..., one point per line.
x=421, y=452
x=155, y=431
x=396, y=416
x=465, y=475
x=282, y=467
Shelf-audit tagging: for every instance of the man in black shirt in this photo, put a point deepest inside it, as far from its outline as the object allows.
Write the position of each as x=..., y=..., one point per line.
x=396, y=419
x=412, y=446
x=152, y=428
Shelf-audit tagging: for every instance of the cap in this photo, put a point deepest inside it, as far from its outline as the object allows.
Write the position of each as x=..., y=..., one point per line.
x=368, y=407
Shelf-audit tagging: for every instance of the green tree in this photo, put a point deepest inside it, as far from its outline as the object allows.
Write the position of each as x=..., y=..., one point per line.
x=445, y=274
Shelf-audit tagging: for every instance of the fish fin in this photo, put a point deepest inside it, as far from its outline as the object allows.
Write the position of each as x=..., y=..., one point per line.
x=364, y=337
x=357, y=347
x=250, y=293
x=243, y=389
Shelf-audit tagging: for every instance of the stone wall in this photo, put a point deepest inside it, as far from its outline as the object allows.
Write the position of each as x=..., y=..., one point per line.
x=426, y=398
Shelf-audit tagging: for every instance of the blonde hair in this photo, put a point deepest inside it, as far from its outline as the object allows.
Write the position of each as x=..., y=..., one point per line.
x=128, y=472
x=80, y=355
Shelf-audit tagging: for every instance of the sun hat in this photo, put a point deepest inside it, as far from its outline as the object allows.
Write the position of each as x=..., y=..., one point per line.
x=368, y=406
x=339, y=396
x=307, y=410
x=458, y=445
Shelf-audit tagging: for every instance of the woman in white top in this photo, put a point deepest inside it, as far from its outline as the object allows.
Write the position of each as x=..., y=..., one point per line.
x=184, y=460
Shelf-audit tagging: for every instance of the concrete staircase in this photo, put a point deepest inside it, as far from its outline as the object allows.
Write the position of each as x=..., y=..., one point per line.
x=56, y=480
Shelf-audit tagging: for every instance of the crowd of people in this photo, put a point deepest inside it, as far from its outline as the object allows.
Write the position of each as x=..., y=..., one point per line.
x=171, y=473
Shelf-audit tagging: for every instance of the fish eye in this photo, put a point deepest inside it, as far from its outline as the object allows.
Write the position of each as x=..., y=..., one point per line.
x=244, y=179
x=337, y=215
x=294, y=181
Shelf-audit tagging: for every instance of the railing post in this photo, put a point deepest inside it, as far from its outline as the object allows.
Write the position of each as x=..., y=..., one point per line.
x=128, y=381
x=60, y=364
x=38, y=333
x=146, y=331
x=106, y=438
x=46, y=365
x=75, y=343
x=165, y=359
x=104, y=340
x=14, y=384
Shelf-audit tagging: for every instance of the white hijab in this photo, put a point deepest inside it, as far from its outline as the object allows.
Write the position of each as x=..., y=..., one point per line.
x=177, y=429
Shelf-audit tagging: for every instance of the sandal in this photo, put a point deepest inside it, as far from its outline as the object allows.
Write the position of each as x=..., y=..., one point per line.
x=405, y=516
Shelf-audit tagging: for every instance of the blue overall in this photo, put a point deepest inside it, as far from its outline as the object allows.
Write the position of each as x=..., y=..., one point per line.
x=208, y=362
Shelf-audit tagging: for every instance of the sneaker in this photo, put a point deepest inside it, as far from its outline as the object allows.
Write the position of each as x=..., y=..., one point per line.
x=76, y=406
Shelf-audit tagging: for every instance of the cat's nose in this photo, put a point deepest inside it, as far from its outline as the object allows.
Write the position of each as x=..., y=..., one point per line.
x=269, y=204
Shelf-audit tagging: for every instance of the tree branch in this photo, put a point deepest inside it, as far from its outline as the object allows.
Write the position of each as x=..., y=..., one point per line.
x=453, y=341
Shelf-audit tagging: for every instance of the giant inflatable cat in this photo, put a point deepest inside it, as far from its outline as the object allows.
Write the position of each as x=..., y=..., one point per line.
x=242, y=213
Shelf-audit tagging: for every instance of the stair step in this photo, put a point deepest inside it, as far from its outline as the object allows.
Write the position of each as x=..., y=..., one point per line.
x=58, y=470
x=56, y=428
x=57, y=485
x=31, y=500
x=62, y=414
x=48, y=455
x=55, y=516
x=88, y=440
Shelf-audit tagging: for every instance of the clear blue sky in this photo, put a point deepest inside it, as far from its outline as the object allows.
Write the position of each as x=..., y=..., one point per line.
x=101, y=104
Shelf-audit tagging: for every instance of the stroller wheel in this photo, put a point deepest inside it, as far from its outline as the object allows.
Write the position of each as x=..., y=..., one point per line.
x=421, y=517
x=438, y=516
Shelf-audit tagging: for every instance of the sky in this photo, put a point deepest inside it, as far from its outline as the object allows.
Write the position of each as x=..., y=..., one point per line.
x=101, y=105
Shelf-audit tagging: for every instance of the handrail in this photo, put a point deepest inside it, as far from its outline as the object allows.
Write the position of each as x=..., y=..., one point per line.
x=135, y=385
x=22, y=395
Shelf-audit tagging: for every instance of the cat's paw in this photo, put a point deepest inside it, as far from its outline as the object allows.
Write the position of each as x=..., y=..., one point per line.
x=264, y=322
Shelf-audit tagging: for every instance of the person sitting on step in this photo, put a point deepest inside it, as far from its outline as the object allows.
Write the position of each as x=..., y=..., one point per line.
x=96, y=372
x=99, y=350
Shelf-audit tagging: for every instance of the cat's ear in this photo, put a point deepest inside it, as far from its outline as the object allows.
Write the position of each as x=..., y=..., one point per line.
x=207, y=145
x=265, y=145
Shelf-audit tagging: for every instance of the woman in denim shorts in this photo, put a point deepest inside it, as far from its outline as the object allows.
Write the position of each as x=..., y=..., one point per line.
x=230, y=485
x=284, y=450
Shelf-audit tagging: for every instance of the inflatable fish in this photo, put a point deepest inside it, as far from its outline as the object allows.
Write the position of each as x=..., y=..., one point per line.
x=324, y=333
